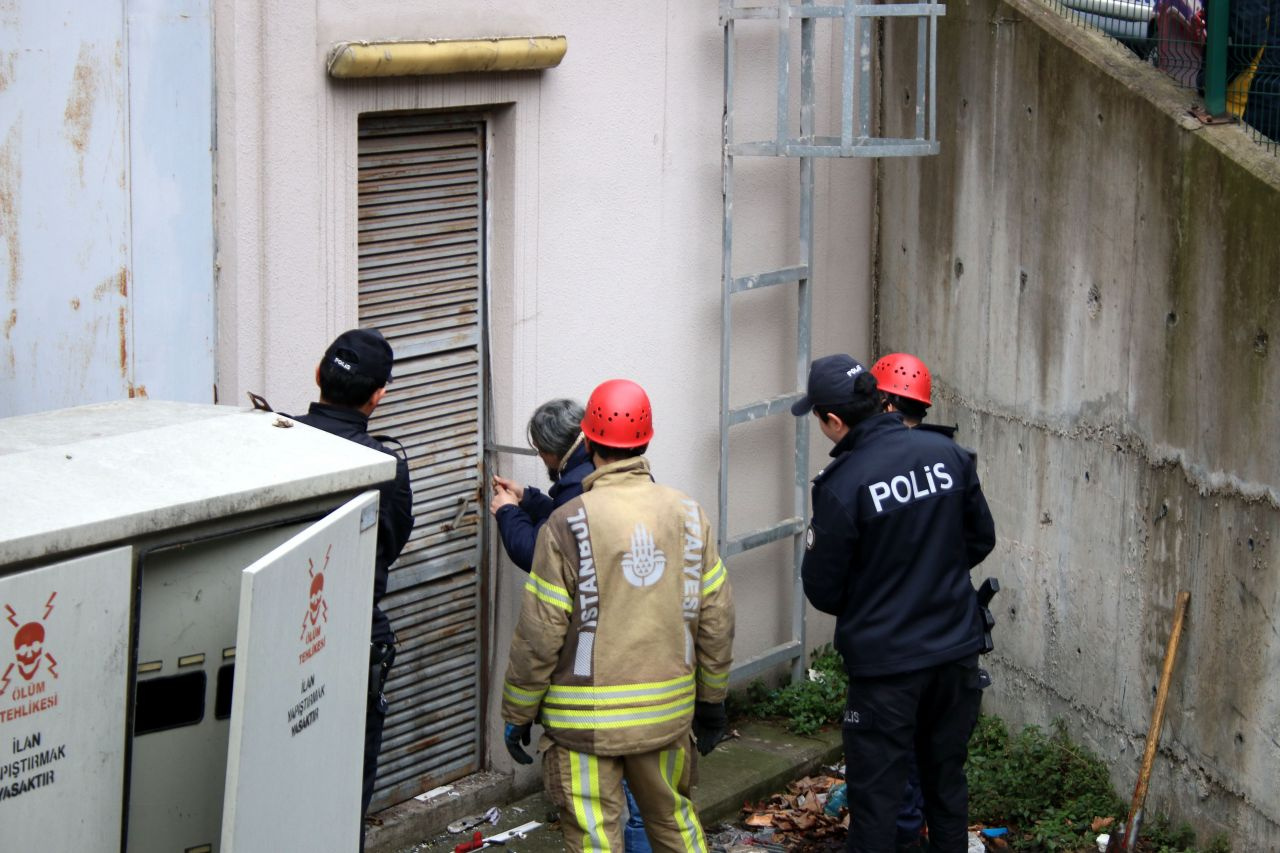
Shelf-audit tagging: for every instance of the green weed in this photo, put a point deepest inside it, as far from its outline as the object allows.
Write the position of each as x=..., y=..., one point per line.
x=803, y=706
x=1039, y=781
x=1052, y=794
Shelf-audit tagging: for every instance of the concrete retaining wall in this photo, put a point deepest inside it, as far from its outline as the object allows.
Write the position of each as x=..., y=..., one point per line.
x=1092, y=275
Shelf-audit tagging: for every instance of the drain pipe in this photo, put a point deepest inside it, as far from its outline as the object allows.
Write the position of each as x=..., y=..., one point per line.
x=445, y=56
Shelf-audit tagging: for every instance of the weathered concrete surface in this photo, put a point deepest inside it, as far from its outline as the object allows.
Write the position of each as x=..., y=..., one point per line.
x=759, y=762
x=1093, y=277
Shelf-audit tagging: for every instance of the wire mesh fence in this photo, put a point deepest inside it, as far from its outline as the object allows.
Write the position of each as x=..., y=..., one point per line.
x=1228, y=51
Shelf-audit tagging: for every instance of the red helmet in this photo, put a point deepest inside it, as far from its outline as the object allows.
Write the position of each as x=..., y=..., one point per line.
x=618, y=415
x=905, y=375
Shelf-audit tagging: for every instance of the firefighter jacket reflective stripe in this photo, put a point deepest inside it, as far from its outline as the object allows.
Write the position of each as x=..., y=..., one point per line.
x=899, y=519
x=627, y=618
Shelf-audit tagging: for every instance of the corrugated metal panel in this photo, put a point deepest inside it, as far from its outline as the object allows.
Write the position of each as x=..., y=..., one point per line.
x=420, y=232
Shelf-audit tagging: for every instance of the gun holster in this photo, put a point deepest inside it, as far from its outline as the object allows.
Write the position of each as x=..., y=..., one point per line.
x=986, y=592
x=381, y=657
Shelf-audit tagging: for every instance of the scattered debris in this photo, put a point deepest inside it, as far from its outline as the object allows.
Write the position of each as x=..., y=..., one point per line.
x=518, y=832
x=798, y=818
x=469, y=823
x=837, y=800
x=996, y=838
x=498, y=839
x=1205, y=117
x=433, y=793
x=732, y=839
x=813, y=816
x=476, y=842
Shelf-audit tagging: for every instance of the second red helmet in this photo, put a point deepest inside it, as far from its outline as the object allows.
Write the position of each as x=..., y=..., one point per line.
x=905, y=375
x=618, y=415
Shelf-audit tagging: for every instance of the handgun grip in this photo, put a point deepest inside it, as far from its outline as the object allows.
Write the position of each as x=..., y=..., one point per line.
x=987, y=591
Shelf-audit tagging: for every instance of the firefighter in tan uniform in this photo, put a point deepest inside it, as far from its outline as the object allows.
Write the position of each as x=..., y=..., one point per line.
x=624, y=642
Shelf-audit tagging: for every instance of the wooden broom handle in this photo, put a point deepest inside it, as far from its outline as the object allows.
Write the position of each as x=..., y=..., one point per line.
x=1157, y=716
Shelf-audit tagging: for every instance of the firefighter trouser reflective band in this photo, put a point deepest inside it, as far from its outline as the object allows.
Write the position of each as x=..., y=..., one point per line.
x=588, y=790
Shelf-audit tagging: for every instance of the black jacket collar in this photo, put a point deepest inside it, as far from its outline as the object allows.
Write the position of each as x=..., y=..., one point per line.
x=355, y=417
x=865, y=430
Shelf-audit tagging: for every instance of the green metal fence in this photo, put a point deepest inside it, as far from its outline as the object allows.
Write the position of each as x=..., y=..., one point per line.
x=1226, y=50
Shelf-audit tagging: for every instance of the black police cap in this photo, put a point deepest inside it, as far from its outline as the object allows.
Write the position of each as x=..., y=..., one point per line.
x=831, y=381
x=363, y=352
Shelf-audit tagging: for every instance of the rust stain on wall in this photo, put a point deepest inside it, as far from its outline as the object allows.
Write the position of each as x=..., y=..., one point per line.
x=10, y=180
x=118, y=283
x=137, y=391
x=75, y=303
x=8, y=328
x=78, y=116
x=6, y=69
x=124, y=341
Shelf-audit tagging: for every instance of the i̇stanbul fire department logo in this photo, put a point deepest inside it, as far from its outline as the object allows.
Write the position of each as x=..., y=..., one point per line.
x=643, y=565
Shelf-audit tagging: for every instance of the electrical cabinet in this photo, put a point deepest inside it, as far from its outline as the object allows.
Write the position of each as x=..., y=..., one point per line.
x=185, y=602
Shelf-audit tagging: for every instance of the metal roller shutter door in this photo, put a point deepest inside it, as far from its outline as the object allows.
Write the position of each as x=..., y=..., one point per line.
x=420, y=253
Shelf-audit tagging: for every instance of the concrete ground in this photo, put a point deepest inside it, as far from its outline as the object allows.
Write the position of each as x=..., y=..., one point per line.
x=760, y=761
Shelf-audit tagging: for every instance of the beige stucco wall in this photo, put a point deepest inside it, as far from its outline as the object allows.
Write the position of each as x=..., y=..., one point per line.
x=604, y=235
x=1092, y=275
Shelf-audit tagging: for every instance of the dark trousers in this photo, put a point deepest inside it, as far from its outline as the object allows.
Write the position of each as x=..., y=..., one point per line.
x=381, y=656
x=374, y=719
x=911, y=811
x=933, y=710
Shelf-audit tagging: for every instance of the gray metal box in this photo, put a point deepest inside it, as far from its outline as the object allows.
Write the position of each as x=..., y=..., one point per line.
x=185, y=597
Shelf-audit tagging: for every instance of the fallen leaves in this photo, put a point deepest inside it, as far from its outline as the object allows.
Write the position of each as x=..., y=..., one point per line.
x=799, y=811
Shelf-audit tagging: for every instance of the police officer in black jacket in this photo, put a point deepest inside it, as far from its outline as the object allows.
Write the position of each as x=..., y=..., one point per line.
x=899, y=520
x=353, y=376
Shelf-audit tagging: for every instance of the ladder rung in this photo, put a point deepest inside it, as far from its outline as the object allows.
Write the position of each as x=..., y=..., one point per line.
x=899, y=10
x=766, y=660
x=769, y=279
x=763, y=408
x=830, y=146
x=738, y=13
x=860, y=10
x=781, y=530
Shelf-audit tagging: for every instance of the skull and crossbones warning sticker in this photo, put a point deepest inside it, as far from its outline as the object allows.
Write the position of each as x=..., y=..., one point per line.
x=317, y=607
x=29, y=649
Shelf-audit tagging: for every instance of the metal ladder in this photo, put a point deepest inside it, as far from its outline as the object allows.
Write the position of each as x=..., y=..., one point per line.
x=858, y=22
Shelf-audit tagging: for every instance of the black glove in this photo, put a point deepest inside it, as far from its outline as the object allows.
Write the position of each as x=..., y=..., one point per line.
x=709, y=723
x=514, y=736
